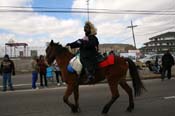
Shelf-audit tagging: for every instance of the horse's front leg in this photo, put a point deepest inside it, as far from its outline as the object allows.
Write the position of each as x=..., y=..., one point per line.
x=68, y=93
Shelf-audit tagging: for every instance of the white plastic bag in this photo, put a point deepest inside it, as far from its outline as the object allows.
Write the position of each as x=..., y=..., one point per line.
x=76, y=64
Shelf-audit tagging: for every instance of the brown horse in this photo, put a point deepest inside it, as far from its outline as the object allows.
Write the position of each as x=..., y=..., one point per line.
x=115, y=74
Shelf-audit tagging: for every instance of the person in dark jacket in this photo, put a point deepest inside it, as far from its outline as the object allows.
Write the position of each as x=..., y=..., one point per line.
x=88, y=50
x=7, y=69
x=42, y=70
x=167, y=63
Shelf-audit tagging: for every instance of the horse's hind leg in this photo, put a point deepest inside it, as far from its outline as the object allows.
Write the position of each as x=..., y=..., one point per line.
x=76, y=97
x=115, y=95
x=128, y=90
x=69, y=90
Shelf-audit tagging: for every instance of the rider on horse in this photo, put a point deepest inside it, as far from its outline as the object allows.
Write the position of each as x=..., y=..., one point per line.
x=88, y=50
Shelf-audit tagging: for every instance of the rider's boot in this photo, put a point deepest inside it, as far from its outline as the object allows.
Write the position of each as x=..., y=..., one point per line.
x=90, y=76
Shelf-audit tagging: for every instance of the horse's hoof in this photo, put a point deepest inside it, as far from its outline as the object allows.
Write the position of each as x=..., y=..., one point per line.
x=130, y=108
x=103, y=114
x=79, y=110
x=105, y=111
x=75, y=109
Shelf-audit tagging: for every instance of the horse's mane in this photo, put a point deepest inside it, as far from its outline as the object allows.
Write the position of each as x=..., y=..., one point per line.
x=60, y=49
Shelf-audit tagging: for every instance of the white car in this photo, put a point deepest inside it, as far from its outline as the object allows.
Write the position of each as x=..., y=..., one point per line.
x=151, y=58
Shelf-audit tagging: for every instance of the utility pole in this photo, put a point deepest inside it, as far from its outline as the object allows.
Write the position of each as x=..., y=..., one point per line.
x=132, y=27
x=88, y=9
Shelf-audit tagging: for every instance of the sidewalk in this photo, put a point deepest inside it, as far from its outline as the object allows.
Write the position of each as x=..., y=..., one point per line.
x=23, y=81
x=146, y=74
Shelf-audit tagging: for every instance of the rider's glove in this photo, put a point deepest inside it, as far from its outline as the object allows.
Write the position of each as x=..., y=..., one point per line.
x=68, y=44
x=79, y=41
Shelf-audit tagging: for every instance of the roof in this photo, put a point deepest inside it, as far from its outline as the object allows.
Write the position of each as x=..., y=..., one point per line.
x=167, y=34
x=160, y=41
x=117, y=46
x=16, y=44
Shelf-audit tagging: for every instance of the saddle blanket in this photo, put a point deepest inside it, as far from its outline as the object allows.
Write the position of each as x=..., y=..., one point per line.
x=108, y=61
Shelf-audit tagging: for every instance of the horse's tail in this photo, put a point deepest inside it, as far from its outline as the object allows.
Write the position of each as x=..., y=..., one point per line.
x=137, y=83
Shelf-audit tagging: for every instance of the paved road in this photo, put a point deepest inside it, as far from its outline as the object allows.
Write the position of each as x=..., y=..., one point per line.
x=158, y=101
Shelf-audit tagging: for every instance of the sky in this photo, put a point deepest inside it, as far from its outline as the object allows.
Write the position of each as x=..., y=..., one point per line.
x=110, y=17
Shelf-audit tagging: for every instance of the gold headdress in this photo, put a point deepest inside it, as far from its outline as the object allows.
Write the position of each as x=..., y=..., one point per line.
x=92, y=27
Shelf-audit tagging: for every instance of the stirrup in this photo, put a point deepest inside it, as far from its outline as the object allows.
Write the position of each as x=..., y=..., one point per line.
x=88, y=80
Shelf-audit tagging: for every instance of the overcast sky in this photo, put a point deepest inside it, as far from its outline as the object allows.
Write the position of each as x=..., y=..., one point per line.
x=37, y=28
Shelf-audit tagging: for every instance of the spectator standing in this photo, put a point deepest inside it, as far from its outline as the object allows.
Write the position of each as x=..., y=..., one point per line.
x=167, y=63
x=42, y=71
x=7, y=69
x=58, y=75
x=157, y=67
x=49, y=72
x=157, y=61
x=35, y=69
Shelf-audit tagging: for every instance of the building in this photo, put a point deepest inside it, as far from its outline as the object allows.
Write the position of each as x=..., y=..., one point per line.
x=29, y=51
x=115, y=47
x=13, y=46
x=160, y=43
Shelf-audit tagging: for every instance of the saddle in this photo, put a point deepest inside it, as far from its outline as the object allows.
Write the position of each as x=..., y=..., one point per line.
x=105, y=60
x=102, y=59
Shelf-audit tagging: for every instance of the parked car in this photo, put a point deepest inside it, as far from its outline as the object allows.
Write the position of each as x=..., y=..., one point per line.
x=151, y=58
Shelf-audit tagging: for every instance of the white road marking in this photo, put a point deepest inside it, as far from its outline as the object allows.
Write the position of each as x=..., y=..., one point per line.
x=32, y=90
x=50, y=88
x=18, y=85
x=169, y=97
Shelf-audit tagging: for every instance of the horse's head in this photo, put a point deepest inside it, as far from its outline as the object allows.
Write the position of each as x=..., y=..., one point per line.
x=52, y=51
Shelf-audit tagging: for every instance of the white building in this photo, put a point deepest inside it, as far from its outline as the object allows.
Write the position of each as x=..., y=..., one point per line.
x=18, y=52
x=160, y=43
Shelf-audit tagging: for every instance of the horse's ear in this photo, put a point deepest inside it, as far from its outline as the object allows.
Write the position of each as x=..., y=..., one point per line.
x=51, y=43
x=58, y=43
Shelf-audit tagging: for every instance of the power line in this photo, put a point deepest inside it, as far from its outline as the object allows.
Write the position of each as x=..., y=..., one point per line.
x=112, y=10
x=151, y=33
x=80, y=11
x=83, y=10
x=125, y=39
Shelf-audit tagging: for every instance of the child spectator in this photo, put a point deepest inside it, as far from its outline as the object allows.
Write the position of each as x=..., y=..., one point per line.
x=49, y=73
x=58, y=75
